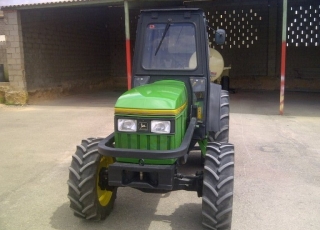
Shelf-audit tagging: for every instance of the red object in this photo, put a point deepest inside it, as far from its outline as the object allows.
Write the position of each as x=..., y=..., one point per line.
x=128, y=55
x=283, y=73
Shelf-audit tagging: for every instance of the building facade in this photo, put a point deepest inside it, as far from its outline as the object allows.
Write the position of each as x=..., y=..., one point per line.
x=60, y=48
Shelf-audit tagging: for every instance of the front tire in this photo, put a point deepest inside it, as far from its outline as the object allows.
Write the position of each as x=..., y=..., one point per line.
x=88, y=198
x=218, y=186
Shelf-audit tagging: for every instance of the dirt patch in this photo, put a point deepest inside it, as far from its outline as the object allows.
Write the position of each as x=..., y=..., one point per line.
x=72, y=88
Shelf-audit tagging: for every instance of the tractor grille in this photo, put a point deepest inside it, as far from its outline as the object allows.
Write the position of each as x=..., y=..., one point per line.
x=143, y=141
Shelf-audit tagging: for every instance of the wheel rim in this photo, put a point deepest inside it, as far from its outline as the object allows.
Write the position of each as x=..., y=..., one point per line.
x=104, y=196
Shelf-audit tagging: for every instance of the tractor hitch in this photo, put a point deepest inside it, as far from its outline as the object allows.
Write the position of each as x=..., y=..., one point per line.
x=189, y=183
x=151, y=178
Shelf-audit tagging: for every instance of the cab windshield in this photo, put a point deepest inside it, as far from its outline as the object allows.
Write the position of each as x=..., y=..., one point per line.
x=170, y=46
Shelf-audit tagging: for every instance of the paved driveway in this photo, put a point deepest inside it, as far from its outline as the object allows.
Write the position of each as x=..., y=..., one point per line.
x=277, y=182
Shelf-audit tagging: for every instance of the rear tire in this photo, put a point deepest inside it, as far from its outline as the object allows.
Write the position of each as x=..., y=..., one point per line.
x=87, y=199
x=222, y=135
x=218, y=182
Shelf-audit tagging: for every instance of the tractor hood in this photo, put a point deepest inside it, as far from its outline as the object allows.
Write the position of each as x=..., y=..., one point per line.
x=166, y=97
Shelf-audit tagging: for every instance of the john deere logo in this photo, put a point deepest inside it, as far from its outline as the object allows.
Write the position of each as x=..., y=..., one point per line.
x=143, y=126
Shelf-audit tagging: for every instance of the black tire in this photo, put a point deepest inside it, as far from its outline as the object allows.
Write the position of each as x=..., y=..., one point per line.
x=87, y=199
x=217, y=190
x=222, y=135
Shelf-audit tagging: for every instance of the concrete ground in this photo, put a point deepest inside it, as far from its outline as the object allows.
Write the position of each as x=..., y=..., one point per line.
x=277, y=184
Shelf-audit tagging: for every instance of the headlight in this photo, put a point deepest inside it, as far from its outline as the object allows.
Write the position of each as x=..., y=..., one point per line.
x=127, y=125
x=160, y=126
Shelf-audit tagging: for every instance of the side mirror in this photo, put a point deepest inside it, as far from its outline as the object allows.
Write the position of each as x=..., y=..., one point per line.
x=220, y=36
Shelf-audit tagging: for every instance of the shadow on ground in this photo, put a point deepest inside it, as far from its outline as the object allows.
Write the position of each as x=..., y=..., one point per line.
x=186, y=216
x=133, y=214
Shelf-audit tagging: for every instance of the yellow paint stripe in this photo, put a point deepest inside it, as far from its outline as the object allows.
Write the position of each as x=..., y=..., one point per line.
x=162, y=112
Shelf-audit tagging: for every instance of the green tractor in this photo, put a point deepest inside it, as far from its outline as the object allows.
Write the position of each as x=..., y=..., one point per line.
x=172, y=109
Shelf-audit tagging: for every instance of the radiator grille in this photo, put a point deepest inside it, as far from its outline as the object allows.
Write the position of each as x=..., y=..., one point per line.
x=147, y=142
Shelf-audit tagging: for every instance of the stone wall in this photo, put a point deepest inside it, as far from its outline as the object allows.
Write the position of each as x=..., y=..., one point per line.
x=16, y=93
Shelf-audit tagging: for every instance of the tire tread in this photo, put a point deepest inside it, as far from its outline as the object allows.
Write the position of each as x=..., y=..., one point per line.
x=218, y=186
x=82, y=182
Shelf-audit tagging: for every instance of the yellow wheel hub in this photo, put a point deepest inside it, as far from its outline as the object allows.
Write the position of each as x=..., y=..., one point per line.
x=104, y=196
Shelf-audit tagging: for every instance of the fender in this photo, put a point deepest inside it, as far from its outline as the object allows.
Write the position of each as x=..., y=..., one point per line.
x=214, y=108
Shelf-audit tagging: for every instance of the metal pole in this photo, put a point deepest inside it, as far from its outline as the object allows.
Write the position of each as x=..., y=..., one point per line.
x=128, y=47
x=283, y=55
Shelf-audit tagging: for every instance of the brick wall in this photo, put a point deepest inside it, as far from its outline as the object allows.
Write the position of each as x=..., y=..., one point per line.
x=14, y=48
x=73, y=48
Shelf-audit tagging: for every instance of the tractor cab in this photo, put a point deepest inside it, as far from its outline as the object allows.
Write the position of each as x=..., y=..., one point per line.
x=173, y=45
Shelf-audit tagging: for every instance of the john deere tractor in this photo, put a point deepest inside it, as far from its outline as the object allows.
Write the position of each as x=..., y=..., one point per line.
x=172, y=109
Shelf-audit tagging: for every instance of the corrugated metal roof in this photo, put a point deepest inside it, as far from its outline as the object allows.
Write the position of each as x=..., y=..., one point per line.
x=30, y=4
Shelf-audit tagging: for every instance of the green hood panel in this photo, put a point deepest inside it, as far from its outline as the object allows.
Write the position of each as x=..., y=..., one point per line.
x=160, y=95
